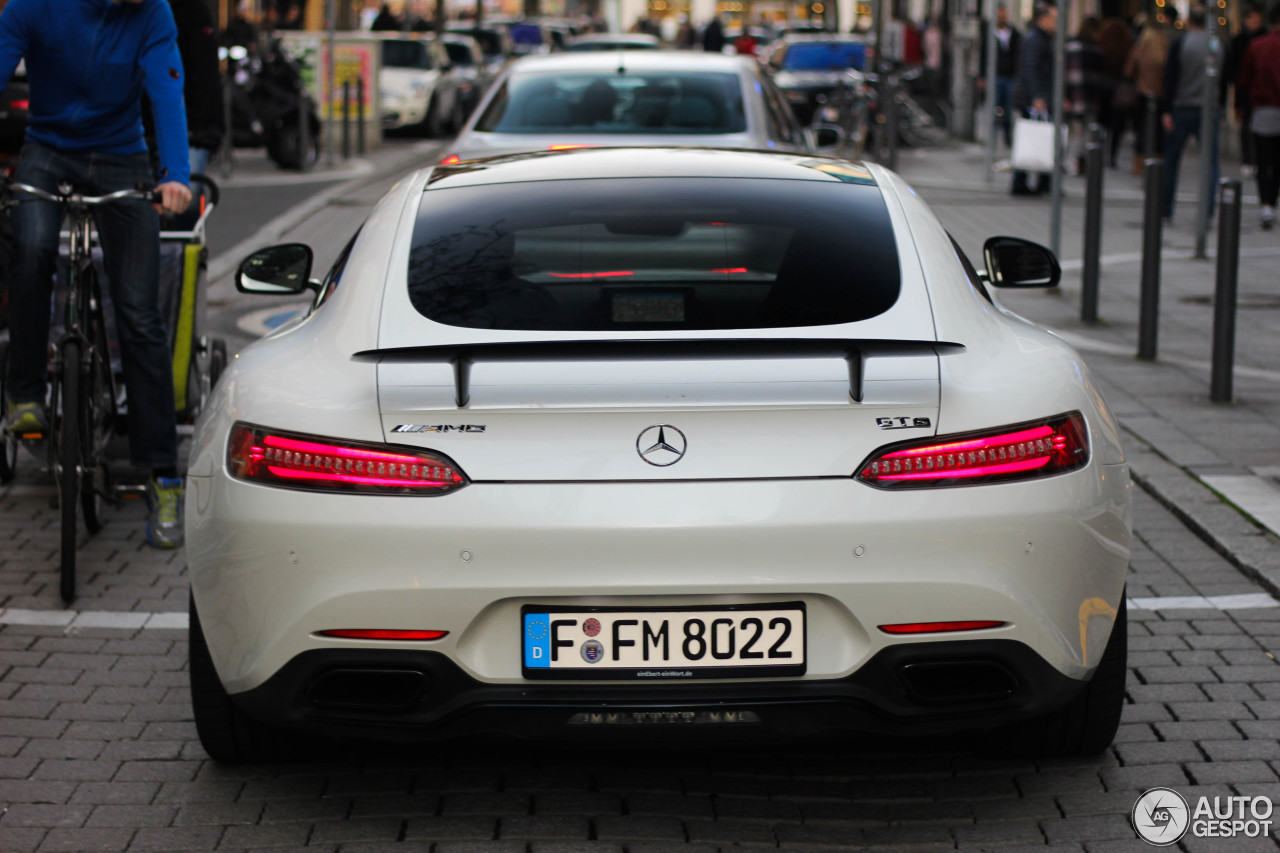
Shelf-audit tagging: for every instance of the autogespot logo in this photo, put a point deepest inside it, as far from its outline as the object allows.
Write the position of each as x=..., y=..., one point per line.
x=1161, y=817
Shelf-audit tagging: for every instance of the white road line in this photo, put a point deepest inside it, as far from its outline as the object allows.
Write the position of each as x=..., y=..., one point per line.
x=73, y=619
x=1250, y=601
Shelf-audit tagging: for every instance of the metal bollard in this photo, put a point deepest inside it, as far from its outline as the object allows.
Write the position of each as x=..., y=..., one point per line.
x=360, y=116
x=1151, y=128
x=346, y=119
x=1224, y=292
x=1152, y=226
x=304, y=131
x=1092, y=224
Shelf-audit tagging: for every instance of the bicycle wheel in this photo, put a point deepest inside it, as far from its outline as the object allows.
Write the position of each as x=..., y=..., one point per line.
x=67, y=460
x=8, y=441
x=929, y=125
x=96, y=419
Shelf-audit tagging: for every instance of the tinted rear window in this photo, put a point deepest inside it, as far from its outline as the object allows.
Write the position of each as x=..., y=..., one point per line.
x=658, y=102
x=632, y=254
x=459, y=54
x=405, y=54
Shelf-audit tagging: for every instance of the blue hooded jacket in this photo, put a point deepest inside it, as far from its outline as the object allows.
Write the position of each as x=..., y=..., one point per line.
x=88, y=62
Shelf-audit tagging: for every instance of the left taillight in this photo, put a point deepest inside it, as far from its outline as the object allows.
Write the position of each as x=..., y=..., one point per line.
x=1017, y=452
x=294, y=461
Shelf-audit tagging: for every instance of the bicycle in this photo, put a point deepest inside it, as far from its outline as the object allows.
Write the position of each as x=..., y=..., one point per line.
x=924, y=121
x=82, y=403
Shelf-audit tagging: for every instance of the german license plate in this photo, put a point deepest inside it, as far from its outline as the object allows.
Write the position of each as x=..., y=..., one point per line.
x=662, y=644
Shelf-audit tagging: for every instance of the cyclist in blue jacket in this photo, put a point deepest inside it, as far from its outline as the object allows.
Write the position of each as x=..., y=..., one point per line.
x=88, y=62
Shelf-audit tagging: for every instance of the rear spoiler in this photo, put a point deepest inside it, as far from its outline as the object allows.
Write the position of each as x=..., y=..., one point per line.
x=462, y=356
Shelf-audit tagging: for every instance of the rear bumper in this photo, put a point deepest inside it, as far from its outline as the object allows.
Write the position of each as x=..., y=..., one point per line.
x=923, y=688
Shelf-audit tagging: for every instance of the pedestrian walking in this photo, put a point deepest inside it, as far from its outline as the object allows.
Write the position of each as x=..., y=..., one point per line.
x=713, y=37
x=1033, y=89
x=1260, y=78
x=1008, y=46
x=1251, y=27
x=931, y=45
x=1145, y=68
x=386, y=22
x=1118, y=96
x=1082, y=76
x=202, y=90
x=1185, y=79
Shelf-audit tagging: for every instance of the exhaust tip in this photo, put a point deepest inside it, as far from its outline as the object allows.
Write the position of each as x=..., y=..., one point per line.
x=369, y=689
x=953, y=682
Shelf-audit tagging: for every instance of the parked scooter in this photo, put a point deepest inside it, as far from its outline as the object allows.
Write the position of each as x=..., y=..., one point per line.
x=265, y=93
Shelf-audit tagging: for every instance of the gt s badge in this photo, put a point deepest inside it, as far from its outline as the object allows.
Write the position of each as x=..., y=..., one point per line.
x=438, y=428
x=902, y=423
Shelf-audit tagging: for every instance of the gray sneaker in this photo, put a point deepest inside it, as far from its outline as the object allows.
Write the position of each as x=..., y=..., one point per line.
x=164, y=499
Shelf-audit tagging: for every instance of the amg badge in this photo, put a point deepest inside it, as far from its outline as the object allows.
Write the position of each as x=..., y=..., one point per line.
x=438, y=428
x=903, y=423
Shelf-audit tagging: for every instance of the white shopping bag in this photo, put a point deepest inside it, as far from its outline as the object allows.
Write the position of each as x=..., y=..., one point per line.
x=1033, y=144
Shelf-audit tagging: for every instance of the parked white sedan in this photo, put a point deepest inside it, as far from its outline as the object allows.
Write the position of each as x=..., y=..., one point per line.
x=416, y=91
x=656, y=443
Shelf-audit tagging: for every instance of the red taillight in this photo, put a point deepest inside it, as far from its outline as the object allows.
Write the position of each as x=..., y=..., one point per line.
x=615, y=274
x=567, y=147
x=302, y=462
x=20, y=105
x=1019, y=452
x=382, y=634
x=940, y=627
x=451, y=160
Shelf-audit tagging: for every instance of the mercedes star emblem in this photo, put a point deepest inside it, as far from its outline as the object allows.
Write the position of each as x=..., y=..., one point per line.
x=661, y=445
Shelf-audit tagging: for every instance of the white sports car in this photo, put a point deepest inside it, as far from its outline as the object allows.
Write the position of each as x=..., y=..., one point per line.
x=701, y=441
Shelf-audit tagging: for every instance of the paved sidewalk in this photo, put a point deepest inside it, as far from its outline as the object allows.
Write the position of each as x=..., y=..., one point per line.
x=1217, y=466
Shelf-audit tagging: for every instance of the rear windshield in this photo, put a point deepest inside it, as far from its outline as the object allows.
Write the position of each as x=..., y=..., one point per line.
x=579, y=46
x=656, y=102
x=823, y=56
x=459, y=54
x=642, y=253
x=405, y=54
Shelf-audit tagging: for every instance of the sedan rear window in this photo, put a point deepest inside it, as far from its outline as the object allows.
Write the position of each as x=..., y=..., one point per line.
x=405, y=54
x=634, y=254
x=660, y=102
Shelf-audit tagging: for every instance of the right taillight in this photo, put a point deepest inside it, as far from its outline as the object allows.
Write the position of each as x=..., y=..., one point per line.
x=295, y=461
x=1018, y=452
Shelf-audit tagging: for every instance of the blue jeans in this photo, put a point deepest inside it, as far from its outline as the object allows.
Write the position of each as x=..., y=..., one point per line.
x=1004, y=108
x=1186, y=123
x=129, y=231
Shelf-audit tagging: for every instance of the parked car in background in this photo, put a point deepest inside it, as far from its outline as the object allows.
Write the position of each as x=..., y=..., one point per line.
x=614, y=41
x=528, y=36
x=810, y=68
x=473, y=73
x=632, y=98
x=495, y=43
x=418, y=91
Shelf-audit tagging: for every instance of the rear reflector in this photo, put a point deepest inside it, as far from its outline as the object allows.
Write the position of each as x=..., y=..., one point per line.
x=1018, y=452
x=382, y=634
x=940, y=627
x=20, y=105
x=297, y=461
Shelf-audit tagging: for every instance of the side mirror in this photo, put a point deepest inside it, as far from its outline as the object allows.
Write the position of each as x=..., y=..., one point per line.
x=1014, y=262
x=276, y=270
x=826, y=136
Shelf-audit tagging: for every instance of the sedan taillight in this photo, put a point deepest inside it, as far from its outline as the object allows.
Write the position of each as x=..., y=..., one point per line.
x=298, y=461
x=1019, y=452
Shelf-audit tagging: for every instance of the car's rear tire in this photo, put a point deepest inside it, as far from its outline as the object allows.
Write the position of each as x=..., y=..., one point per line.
x=226, y=733
x=1087, y=724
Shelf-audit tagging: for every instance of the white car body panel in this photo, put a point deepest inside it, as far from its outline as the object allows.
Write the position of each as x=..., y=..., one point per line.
x=407, y=92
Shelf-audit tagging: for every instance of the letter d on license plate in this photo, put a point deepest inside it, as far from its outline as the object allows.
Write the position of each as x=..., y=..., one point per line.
x=663, y=644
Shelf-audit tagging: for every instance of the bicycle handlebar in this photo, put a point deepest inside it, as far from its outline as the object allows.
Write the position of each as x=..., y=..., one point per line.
x=76, y=198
